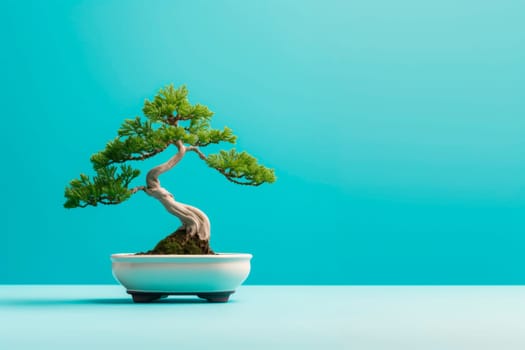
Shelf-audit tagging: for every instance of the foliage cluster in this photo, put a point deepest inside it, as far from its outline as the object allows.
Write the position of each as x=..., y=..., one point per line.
x=168, y=118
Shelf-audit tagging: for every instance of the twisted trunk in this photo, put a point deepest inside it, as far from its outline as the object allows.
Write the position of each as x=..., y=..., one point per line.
x=194, y=221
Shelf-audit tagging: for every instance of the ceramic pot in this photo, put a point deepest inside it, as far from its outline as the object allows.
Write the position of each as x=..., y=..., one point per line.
x=151, y=277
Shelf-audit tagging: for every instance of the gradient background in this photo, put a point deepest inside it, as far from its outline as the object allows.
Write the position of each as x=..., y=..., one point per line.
x=396, y=129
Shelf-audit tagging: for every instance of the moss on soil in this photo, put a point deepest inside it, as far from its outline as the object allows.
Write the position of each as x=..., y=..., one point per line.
x=179, y=242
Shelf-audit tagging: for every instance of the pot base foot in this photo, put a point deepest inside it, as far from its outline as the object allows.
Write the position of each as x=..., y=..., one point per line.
x=212, y=297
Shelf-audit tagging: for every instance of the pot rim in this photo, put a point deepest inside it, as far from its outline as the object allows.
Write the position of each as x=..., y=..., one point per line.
x=134, y=256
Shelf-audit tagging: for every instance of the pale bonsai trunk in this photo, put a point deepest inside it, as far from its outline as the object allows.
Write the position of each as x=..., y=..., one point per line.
x=194, y=221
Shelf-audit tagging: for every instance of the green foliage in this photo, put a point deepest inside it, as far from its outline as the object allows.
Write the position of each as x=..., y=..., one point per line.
x=169, y=118
x=137, y=140
x=109, y=186
x=166, y=102
x=240, y=168
x=203, y=137
x=140, y=139
x=170, y=102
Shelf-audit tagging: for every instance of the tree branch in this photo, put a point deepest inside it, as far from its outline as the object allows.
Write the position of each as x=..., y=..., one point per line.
x=142, y=156
x=198, y=151
x=107, y=201
x=152, y=178
x=138, y=188
x=222, y=171
x=231, y=179
x=173, y=119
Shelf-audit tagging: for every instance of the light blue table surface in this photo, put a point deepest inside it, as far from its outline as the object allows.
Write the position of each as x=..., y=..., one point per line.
x=265, y=317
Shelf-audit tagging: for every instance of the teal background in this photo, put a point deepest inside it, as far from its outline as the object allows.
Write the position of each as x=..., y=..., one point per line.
x=396, y=129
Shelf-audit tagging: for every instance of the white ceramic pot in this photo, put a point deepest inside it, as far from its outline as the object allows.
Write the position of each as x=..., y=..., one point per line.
x=151, y=277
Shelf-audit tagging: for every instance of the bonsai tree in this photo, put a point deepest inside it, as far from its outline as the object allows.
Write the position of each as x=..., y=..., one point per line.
x=170, y=120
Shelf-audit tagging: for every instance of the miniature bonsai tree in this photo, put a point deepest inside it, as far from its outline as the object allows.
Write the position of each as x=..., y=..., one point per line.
x=169, y=120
